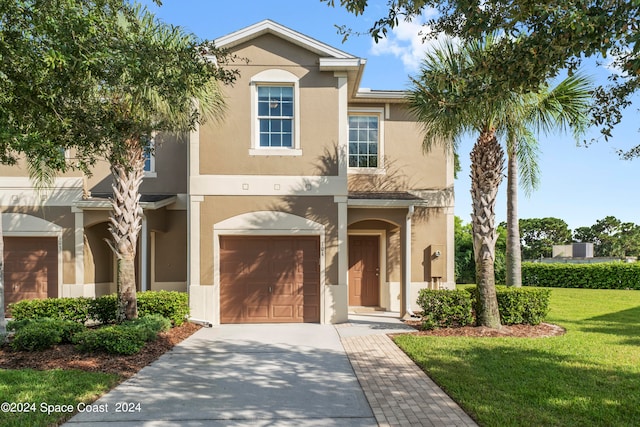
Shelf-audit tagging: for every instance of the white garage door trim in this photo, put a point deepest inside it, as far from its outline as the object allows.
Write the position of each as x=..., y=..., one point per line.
x=23, y=225
x=266, y=223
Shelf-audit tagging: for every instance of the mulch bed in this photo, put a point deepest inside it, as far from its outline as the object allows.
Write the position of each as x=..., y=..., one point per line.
x=520, y=331
x=67, y=357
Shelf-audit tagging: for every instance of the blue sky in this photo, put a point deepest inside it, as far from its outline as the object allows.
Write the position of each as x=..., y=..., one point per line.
x=578, y=184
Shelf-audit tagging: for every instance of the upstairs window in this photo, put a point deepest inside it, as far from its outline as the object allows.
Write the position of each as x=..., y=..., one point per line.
x=150, y=159
x=364, y=141
x=276, y=116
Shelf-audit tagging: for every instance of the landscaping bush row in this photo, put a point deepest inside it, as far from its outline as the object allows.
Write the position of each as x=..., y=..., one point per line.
x=448, y=308
x=610, y=275
x=126, y=338
x=171, y=305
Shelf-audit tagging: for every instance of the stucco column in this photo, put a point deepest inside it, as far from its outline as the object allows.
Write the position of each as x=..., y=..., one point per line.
x=79, y=249
x=406, y=276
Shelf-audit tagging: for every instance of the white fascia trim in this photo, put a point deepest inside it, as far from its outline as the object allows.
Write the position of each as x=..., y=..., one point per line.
x=340, y=64
x=270, y=27
x=267, y=185
x=24, y=182
x=383, y=203
x=381, y=95
x=23, y=224
x=19, y=191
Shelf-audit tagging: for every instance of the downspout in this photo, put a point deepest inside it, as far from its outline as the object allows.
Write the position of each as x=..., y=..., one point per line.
x=407, y=261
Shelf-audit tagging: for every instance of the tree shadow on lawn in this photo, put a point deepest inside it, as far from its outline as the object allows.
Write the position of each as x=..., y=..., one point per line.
x=625, y=323
x=532, y=386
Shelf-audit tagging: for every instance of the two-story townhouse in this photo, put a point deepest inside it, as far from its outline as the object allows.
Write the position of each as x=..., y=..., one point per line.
x=312, y=195
x=309, y=197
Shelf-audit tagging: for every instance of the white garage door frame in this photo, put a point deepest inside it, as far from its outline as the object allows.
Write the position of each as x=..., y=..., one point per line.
x=23, y=225
x=266, y=223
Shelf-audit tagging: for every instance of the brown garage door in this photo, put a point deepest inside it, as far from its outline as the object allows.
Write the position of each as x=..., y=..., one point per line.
x=273, y=279
x=30, y=268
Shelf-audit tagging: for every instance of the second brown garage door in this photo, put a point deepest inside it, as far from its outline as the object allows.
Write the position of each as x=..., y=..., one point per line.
x=273, y=279
x=30, y=268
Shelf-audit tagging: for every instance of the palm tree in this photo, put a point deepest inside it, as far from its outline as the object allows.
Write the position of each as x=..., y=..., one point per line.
x=161, y=82
x=565, y=106
x=449, y=101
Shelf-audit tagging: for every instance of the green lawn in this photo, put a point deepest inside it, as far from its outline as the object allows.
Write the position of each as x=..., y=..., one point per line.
x=588, y=377
x=30, y=394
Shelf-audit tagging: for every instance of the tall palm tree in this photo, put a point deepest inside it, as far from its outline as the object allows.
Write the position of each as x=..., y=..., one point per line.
x=161, y=82
x=449, y=100
x=564, y=107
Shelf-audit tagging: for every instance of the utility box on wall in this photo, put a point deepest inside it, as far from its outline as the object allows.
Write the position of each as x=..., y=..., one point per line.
x=438, y=261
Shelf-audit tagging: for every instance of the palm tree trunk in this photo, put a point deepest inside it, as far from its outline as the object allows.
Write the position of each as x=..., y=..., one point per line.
x=487, y=164
x=514, y=256
x=125, y=224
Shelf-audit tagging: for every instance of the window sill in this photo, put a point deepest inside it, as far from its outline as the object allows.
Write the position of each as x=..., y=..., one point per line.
x=275, y=152
x=150, y=174
x=366, y=171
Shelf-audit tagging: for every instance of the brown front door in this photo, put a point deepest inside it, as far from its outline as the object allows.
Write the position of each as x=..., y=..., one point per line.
x=30, y=268
x=364, y=271
x=269, y=279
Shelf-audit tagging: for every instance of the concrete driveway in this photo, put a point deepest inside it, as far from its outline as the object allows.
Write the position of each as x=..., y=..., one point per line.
x=241, y=375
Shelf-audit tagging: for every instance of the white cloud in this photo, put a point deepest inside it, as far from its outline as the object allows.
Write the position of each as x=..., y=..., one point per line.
x=407, y=42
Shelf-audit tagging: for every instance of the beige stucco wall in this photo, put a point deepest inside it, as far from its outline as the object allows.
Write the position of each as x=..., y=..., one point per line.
x=171, y=250
x=224, y=145
x=407, y=166
x=215, y=209
x=171, y=169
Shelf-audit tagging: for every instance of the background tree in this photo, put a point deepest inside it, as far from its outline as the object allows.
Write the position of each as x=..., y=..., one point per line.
x=564, y=107
x=611, y=237
x=465, y=266
x=544, y=38
x=540, y=234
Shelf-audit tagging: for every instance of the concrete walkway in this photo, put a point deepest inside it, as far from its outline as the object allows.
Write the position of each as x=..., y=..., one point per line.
x=281, y=375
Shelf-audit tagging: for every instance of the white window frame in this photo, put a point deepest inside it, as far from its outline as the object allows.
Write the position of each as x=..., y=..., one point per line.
x=380, y=112
x=274, y=77
x=151, y=173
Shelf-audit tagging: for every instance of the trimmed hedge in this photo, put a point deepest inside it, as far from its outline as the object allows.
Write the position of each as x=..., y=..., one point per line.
x=75, y=309
x=609, y=275
x=172, y=305
x=43, y=333
x=451, y=308
x=522, y=306
x=126, y=338
x=445, y=308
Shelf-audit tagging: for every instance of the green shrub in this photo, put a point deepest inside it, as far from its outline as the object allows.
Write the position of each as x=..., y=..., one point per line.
x=104, y=309
x=445, y=308
x=519, y=305
x=172, y=305
x=43, y=333
x=608, y=275
x=149, y=326
x=522, y=306
x=112, y=339
x=75, y=309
